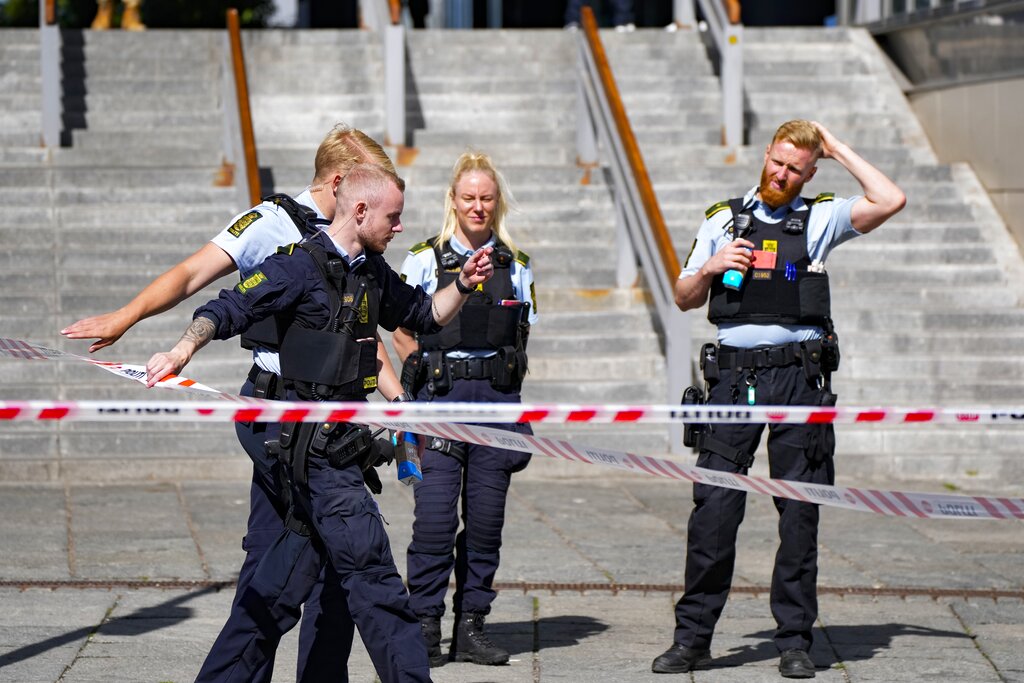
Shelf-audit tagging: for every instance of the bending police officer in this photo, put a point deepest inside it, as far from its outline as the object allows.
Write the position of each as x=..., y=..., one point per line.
x=252, y=236
x=775, y=346
x=479, y=356
x=328, y=295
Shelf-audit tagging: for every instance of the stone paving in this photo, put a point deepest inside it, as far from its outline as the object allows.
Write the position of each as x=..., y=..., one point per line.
x=569, y=542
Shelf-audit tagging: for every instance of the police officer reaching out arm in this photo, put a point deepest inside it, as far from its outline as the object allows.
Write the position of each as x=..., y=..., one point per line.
x=328, y=295
x=360, y=228
x=776, y=346
x=248, y=239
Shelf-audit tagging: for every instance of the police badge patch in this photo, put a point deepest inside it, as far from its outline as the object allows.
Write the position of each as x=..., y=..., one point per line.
x=239, y=226
x=251, y=282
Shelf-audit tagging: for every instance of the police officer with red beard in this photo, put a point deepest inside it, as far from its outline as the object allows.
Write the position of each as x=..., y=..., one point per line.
x=760, y=260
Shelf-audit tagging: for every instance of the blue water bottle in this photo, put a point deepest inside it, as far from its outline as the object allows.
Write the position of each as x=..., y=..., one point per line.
x=407, y=455
x=733, y=279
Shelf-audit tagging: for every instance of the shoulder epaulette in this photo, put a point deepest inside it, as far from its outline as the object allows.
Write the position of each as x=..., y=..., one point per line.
x=716, y=208
x=824, y=197
x=523, y=258
x=420, y=247
x=286, y=249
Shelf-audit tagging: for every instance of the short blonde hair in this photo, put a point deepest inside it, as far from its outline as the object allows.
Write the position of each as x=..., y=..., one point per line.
x=478, y=161
x=801, y=134
x=370, y=181
x=343, y=148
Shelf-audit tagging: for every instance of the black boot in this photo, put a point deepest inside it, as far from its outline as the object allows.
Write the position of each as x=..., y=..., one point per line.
x=431, y=629
x=471, y=644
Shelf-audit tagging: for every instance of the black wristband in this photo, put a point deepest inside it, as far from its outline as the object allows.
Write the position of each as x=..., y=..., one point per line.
x=463, y=289
x=402, y=397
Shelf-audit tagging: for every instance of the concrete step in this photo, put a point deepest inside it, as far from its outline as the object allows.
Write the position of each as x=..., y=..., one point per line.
x=185, y=86
x=163, y=138
x=104, y=104
x=589, y=391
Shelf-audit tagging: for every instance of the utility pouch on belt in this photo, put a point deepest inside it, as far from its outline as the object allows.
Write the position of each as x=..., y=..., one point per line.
x=709, y=362
x=692, y=431
x=439, y=380
x=414, y=372
x=830, y=351
x=503, y=368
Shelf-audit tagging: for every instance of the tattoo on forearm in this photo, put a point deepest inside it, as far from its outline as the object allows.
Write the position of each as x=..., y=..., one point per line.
x=199, y=332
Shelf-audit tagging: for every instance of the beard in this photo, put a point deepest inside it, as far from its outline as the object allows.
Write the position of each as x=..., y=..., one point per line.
x=776, y=198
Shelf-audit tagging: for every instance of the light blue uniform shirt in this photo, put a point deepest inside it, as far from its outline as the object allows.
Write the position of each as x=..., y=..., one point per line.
x=421, y=269
x=251, y=237
x=827, y=227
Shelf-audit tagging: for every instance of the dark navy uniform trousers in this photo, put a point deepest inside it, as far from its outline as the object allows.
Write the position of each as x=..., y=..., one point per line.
x=478, y=491
x=325, y=638
x=796, y=453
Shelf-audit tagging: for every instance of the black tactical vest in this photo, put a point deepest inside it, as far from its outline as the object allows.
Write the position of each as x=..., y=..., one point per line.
x=338, y=362
x=482, y=323
x=266, y=333
x=786, y=294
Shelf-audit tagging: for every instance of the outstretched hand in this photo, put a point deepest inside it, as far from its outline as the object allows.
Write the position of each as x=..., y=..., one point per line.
x=478, y=268
x=106, y=329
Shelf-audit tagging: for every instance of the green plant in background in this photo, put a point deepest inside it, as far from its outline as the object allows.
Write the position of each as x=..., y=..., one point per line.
x=155, y=13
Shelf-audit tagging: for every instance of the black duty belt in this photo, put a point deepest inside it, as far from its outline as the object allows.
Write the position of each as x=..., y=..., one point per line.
x=470, y=368
x=730, y=357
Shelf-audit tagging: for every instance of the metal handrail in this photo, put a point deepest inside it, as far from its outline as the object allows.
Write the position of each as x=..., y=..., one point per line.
x=642, y=236
x=631, y=150
x=728, y=38
x=240, y=136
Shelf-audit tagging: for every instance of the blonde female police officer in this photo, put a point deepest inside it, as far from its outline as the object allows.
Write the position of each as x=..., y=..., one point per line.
x=478, y=357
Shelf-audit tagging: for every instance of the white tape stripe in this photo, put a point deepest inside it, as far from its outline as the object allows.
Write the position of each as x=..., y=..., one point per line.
x=1013, y=509
x=479, y=413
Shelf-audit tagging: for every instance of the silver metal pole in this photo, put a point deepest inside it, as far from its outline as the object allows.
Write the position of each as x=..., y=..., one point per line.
x=732, y=85
x=394, y=83
x=49, y=62
x=683, y=14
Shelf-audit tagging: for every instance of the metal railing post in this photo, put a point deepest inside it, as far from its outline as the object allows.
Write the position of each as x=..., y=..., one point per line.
x=732, y=85
x=683, y=14
x=49, y=63
x=394, y=83
x=625, y=267
x=677, y=368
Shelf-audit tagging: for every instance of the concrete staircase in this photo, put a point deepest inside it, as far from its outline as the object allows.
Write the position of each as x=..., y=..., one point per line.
x=90, y=224
x=928, y=308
